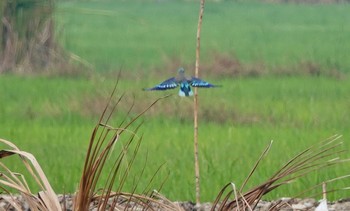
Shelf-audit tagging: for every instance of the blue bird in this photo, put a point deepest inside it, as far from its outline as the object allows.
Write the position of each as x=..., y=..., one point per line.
x=184, y=83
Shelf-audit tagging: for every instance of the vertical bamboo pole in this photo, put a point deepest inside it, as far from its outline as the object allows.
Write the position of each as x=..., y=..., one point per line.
x=195, y=103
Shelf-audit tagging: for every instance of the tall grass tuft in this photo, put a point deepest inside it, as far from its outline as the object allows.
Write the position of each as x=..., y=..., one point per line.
x=102, y=142
x=315, y=158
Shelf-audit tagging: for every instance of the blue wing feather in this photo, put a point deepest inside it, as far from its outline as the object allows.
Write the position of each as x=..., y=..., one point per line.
x=197, y=82
x=170, y=83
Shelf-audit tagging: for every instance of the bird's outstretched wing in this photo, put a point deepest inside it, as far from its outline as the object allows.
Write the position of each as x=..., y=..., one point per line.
x=197, y=82
x=171, y=83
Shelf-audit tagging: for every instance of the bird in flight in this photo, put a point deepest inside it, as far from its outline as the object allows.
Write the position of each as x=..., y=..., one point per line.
x=184, y=83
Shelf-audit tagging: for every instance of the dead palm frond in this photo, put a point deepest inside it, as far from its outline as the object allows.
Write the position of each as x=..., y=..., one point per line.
x=314, y=158
x=46, y=199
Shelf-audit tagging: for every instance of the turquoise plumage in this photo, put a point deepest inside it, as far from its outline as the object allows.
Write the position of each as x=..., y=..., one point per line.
x=184, y=83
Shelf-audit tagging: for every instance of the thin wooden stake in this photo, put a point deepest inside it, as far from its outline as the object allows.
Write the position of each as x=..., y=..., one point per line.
x=324, y=191
x=195, y=110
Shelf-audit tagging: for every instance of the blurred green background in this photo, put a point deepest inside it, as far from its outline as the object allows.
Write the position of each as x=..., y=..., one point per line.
x=283, y=69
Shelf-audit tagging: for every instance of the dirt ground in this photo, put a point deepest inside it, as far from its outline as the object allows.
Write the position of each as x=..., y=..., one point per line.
x=288, y=204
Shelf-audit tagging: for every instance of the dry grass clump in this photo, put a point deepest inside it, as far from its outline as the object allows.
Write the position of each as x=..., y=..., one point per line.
x=315, y=158
x=101, y=145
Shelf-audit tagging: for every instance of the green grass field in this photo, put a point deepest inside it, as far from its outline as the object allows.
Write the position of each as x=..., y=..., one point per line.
x=52, y=117
x=140, y=35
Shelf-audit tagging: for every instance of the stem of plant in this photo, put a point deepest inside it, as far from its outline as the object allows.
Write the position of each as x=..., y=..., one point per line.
x=195, y=109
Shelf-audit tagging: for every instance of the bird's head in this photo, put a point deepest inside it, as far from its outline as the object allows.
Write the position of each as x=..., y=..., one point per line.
x=181, y=70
